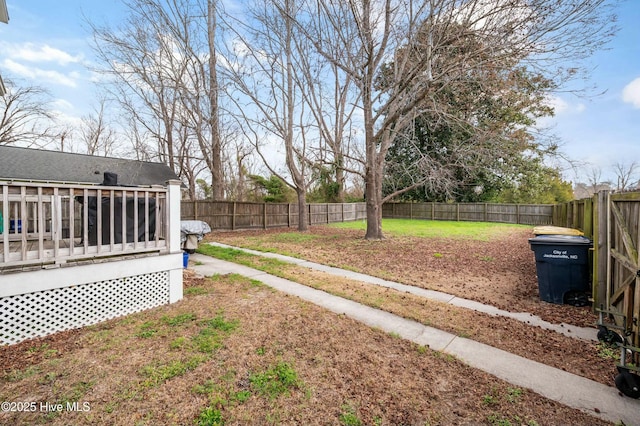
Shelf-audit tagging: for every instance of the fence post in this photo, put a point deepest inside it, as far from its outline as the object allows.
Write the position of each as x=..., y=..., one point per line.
x=342, y=205
x=288, y=215
x=264, y=215
x=518, y=214
x=310, y=220
x=587, y=218
x=195, y=210
x=233, y=217
x=600, y=289
x=457, y=212
x=486, y=206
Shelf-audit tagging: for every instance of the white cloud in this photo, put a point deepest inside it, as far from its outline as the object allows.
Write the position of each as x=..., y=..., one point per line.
x=631, y=93
x=62, y=104
x=558, y=104
x=561, y=106
x=40, y=53
x=71, y=120
x=40, y=75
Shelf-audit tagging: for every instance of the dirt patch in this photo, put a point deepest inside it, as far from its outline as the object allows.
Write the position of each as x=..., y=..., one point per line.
x=334, y=370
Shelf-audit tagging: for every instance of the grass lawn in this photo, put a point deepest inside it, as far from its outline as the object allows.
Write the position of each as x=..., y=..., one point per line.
x=483, y=231
x=236, y=352
x=486, y=262
x=459, y=321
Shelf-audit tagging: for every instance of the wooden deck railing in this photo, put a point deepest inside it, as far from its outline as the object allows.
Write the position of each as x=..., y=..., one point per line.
x=42, y=224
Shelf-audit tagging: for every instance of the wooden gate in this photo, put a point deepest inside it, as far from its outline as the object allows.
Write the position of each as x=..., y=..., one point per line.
x=618, y=256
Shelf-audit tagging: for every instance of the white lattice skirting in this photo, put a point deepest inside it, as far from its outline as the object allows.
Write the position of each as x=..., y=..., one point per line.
x=45, y=312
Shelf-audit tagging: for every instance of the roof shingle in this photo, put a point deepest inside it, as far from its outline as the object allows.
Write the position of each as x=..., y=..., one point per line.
x=51, y=166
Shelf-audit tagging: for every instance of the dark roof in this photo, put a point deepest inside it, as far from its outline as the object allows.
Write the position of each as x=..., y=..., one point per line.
x=52, y=166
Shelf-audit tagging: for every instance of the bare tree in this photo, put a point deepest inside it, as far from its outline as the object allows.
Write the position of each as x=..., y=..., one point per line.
x=63, y=141
x=193, y=27
x=163, y=67
x=138, y=137
x=365, y=37
x=268, y=98
x=96, y=133
x=595, y=182
x=25, y=116
x=239, y=165
x=137, y=58
x=331, y=97
x=626, y=175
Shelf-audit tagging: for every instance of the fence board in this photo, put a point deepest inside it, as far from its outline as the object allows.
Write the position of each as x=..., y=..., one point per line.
x=229, y=215
x=526, y=214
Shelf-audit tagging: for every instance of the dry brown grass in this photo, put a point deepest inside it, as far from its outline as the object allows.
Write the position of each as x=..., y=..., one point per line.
x=344, y=370
x=500, y=272
x=545, y=346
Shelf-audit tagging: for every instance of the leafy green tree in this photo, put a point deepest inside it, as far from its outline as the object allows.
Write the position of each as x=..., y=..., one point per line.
x=327, y=188
x=272, y=190
x=474, y=142
x=539, y=184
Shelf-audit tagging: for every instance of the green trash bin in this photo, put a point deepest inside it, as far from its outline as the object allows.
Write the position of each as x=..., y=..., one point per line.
x=562, y=266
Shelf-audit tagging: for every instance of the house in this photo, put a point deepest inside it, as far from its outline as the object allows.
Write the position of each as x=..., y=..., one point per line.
x=84, y=239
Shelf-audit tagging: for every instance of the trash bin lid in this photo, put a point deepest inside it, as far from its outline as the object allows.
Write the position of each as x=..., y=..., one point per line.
x=556, y=230
x=569, y=240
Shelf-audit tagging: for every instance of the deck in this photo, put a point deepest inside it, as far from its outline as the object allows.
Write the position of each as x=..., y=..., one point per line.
x=46, y=224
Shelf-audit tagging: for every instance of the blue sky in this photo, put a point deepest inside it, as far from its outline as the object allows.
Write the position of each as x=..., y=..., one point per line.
x=605, y=129
x=47, y=43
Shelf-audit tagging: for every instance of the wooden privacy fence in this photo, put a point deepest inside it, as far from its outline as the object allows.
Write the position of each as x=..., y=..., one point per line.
x=612, y=221
x=526, y=214
x=576, y=214
x=229, y=215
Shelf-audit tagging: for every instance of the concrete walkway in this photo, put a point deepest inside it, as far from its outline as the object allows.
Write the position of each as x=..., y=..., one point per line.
x=569, y=389
x=525, y=317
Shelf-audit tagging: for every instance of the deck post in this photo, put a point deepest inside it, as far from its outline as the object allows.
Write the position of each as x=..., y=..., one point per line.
x=173, y=235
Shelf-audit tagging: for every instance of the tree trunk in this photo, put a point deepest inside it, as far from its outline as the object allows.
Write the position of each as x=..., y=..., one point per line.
x=373, y=195
x=340, y=177
x=373, y=171
x=303, y=222
x=217, y=183
x=192, y=189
